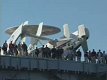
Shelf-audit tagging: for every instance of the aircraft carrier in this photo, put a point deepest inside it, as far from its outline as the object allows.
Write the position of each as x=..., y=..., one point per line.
x=31, y=68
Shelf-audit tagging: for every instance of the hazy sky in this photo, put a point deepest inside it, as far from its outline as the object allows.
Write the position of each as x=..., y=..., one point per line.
x=91, y=13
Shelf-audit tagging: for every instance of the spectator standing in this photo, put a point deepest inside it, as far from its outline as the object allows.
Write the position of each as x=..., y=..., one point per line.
x=86, y=56
x=99, y=56
x=93, y=56
x=37, y=51
x=43, y=51
x=4, y=47
x=24, y=48
x=19, y=47
x=59, y=53
x=78, y=55
x=53, y=51
x=103, y=57
x=15, y=50
x=47, y=52
x=0, y=50
x=11, y=48
x=106, y=58
x=69, y=54
x=89, y=57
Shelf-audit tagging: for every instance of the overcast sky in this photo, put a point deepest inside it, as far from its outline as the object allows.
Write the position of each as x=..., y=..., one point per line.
x=91, y=13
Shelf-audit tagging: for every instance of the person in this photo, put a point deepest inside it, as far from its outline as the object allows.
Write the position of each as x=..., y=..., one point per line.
x=19, y=47
x=47, y=52
x=78, y=55
x=11, y=48
x=0, y=50
x=89, y=56
x=106, y=58
x=24, y=48
x=37, y=51
x=103, y=56
x=86, y=56
x=59, y=52
x=43, y=51
x=99, y=56
x=93, y=53
x=5, y=45
x=73, y=54
x=15, y=50
x=69, y=55
x=53, y=51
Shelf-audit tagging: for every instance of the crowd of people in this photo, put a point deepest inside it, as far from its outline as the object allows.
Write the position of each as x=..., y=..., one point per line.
x=14, y=49
x=20, y=49
x=96, y=57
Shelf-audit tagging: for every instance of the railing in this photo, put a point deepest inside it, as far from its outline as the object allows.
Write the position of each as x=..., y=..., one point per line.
x=29, y=63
